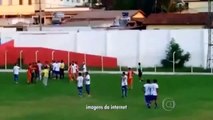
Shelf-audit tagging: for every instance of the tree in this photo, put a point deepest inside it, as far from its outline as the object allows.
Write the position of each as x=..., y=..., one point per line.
x=125, y=5
x=166, y=5
x=145, y=5
x=180, y=57
x=148, y=6
x=108, y=4
x=171, y=5
x=180, y=6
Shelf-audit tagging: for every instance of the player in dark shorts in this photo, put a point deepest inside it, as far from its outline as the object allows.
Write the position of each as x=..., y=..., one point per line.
x=154, y=92
x=147, y=93
x=140, y=72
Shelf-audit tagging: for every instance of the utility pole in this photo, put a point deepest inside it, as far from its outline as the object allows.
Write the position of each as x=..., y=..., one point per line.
x=210, y=45
x=40, y=16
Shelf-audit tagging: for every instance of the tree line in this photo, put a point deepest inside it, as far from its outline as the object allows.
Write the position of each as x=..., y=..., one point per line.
x=148, y=6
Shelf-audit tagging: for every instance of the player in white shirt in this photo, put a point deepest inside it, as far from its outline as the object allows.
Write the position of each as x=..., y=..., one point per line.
x=147, y=93
x=80, y=81
x=154, y=92
x=87, y=83
x=124, y=84
x=54, y=65
x=84, y=68
x=74, y=72
x=57, y=69
x=16, y=69
x=39, y=69
x=76, y=68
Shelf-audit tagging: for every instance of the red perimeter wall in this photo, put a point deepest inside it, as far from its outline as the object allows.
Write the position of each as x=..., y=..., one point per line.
x=45, y=54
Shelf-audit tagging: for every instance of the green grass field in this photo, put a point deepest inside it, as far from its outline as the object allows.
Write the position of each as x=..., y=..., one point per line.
x=59, y=100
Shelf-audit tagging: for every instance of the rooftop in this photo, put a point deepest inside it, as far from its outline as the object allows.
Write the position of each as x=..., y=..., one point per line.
x=175, y=19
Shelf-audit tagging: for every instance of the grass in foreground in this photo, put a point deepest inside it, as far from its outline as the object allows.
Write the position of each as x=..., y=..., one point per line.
x=59, y=101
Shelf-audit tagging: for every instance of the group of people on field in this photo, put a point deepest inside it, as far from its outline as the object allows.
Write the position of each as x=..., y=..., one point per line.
x=128, y=78
x=80, y=75
x=34, y=72
x=150, y=88
x=73, y=70
x=37, y=71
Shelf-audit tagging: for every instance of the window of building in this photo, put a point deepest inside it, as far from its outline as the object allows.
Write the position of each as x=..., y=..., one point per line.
x=29, y=2
x=19, y=29
x=20, y=2
x=10, y=2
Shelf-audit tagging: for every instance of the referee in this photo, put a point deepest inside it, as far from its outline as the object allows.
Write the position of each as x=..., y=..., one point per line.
x=140, y=72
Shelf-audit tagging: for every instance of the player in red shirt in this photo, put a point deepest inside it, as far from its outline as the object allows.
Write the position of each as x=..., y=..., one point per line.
x=70, y=72
x=130, y=75
x=29, y=73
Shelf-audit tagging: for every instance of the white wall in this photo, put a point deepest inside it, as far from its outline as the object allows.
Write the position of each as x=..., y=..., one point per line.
x=92, y=42
x=53, y=40
x=128, y=46
x=123, y=44
x=7, y=34
x=192, y=42
x=153, y=44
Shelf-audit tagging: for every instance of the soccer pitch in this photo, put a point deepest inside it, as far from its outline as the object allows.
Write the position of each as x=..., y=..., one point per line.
x=192, y=95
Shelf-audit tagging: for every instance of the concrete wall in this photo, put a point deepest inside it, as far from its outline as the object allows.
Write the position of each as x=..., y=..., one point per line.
x=128, y=46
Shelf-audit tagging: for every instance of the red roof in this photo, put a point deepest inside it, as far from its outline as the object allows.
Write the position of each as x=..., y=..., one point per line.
x=176, y=19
